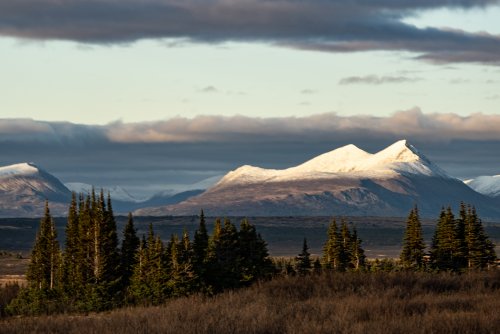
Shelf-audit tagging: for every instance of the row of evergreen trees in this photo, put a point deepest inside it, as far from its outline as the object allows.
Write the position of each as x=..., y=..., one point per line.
x=342, y=251
x=458, y=243
x=94, y=273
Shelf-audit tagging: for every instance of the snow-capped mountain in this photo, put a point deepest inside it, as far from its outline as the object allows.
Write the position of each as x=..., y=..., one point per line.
x=24, y=188
x=117, y=193
x=399, y=158
x=345, y=181
x=486, y=185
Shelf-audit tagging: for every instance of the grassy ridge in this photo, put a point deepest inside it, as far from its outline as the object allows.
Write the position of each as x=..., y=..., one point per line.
x=398, y=302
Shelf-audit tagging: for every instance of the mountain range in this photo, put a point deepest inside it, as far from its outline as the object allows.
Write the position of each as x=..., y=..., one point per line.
x=25, y=187
x=345, y=181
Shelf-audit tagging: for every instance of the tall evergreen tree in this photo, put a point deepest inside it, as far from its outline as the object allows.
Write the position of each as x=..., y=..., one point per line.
x=254, y=257
x=182, y=276
x=45, y=257
x=346, y=238
x=460, y=240
x=72, y=279
x=130, y=246
x=86, y=232
x=412, y=255
x=228, y=255
x=357, y=251
x=110, y=262
x=303, y=260
x=223, y=265
x=444, y=254
x=480, y=250
x=200, y=249
x=149, y=281
x=333, y=249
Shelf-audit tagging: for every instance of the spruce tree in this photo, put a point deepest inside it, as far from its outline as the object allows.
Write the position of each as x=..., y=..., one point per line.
x=254, y=257
x=346, y=239
x=200, y=249
x=357, y=251
x=111, y=255
x=303, y=260
x=460, y=239
x=443, y=250
x=223, y=264
x=229, y=255
x=333, y=248
x=480, y=250
x=72, y=279
x=149, y=282
x=130, y=246
x=182, y=275
x=45, y=257
x=86, y=233
x=412, y=255
x=138, y=289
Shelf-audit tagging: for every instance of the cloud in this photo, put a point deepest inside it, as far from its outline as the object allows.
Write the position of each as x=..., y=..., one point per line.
x=459, y=81
x=209, y=89
x=308, y=91
x=410, y=123
x=331, y=26
x=148, y=156
x=213, y=128
x=492, y=97
x=376, y=80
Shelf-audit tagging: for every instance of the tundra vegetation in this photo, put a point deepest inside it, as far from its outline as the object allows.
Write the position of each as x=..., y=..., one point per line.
x=192, y=285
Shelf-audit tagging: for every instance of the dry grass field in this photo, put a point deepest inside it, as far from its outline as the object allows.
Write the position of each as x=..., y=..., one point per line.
x=12, y=268
x=329, y=303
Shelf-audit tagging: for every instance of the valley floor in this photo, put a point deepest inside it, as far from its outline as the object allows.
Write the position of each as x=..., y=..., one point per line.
x=398, y=302
x=382, y=236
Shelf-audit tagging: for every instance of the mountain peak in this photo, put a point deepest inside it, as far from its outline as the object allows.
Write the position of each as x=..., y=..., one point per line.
x=398, y=158
x=25, y=168
x=343, y=159
x=405, y=158
x=400, y=151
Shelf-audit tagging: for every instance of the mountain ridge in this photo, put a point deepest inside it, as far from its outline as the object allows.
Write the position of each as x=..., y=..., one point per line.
x=344, y=181
x=486, y=185
x=398, y=157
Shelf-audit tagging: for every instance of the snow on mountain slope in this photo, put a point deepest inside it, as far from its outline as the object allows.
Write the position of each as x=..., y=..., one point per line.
x=399, y=158
x=177, y=189
x=19, y=169
x=486, y=185
x=346, y=181
x=29, y=176
x=117, y=193
x=25, y=187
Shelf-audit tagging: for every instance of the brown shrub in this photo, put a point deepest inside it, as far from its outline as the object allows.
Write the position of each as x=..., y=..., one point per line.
x=330, y=303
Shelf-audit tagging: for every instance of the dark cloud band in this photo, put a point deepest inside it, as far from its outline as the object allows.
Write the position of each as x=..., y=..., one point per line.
x=411, y=123
x=325, y=25
x=148, y=157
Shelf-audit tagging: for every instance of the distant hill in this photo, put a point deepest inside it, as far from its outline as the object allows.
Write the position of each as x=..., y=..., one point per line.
x=486, y=185
x=24, y=188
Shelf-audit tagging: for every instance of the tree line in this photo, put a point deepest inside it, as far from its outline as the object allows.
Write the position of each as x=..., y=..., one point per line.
x=94, y=272
x=459, y=243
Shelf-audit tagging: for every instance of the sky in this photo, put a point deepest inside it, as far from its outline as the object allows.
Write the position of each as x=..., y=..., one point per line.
x=152, y=94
